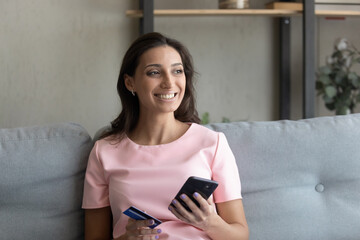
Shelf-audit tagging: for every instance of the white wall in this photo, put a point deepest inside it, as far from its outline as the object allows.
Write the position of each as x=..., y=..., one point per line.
x=59, y=59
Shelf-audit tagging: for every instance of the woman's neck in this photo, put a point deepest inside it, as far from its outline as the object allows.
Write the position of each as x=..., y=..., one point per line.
x=158, y=130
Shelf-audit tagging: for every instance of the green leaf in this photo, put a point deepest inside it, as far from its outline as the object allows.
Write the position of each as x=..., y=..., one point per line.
x=330, y=106
x=339, y=77
x=328, y=100
x=330, y=91
x=205, y=118
x=352, y=76
x=325, y=70
x=325, y=79
x=358, y=60
x=356, y=83
x=354, y=79
x=346, y=94
x=358, y=98
x=225, y=120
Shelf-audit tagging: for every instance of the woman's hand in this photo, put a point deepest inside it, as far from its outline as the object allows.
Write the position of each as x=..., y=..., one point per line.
x=139, y=229
x=199, y=217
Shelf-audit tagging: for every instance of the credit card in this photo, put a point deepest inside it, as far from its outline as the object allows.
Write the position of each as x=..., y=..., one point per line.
x=137, y=214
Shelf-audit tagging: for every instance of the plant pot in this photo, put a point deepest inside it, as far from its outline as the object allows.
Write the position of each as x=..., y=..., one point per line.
x=343, y=111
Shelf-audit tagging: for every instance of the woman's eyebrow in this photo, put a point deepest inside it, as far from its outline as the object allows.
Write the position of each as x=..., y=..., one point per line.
x=153, y=65
x=176, y=64
x=159, y=65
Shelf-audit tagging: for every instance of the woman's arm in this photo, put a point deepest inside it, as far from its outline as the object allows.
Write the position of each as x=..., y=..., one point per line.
x=98, y=224
x=230, y=222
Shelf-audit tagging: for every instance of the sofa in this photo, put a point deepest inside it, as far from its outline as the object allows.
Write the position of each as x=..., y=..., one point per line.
x=300, y=179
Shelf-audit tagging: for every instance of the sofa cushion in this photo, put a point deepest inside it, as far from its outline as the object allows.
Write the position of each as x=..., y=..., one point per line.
x=300, y=179
x=41, y=181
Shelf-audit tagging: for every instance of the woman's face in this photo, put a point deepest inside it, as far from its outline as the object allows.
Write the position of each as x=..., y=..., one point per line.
x=159, y=80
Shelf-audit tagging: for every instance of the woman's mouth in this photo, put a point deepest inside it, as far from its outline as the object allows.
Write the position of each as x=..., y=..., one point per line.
x=166, y=96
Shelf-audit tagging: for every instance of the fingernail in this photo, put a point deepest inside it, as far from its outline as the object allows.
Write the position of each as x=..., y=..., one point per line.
x=183, y=196
x=159, y=231
x=174, y=201
x=196, y=194
x=156, y=237
x=170, y=208
x=151, y=222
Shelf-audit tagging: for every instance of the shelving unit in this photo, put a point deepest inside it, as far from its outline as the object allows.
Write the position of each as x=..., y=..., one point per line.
x=234, y=12
x=147, y=13
x=214, y=12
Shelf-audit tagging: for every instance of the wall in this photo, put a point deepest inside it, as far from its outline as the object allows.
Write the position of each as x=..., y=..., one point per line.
x=60, y=60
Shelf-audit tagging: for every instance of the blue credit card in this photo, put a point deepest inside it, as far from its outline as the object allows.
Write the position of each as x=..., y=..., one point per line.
x=137, y=214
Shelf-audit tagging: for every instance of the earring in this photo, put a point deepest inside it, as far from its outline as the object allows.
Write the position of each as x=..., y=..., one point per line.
x=132, y=92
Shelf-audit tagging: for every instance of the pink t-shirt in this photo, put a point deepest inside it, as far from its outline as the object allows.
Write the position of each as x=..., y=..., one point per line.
x=126, y=174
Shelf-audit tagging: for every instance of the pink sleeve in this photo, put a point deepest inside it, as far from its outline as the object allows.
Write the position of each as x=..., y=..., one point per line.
x=225, y=172
x=96, y=188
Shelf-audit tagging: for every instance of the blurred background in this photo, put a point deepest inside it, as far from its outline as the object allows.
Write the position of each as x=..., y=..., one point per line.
x=60, y=59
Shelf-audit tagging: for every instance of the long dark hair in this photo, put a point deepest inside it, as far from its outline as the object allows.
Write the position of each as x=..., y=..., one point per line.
x=129, y=115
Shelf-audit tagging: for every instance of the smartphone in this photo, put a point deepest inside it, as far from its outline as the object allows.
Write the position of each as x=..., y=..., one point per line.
x=203, y=186
x=137, y=214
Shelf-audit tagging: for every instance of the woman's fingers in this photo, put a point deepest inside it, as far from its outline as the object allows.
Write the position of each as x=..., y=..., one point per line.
x=199, y=216
x=205, y=205
x=139, y=229
x=135, y=224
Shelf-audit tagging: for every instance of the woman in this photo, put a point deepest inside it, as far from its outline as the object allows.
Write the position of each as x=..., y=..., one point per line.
x=154, y=145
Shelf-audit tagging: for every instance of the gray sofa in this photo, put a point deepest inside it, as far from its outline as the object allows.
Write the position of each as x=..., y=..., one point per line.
x=300, y=179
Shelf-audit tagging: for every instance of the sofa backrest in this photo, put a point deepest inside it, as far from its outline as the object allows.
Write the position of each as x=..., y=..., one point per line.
x=41, y=181
x=300, y=179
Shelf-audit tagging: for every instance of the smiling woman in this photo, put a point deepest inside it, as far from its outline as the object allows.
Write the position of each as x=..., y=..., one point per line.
x=153, y=146
x=159, y=81
x=129, y=116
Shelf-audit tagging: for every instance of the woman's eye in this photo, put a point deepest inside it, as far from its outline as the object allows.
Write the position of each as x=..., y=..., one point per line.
x=179, y=71
x=152, y=73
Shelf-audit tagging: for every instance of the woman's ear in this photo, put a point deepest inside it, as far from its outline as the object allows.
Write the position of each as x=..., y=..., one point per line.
x=129, y=83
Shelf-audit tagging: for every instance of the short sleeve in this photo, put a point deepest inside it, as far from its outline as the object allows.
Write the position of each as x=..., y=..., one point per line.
x=225, y=172
x=96, y=188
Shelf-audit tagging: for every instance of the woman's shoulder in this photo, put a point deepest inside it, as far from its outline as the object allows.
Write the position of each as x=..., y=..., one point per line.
x=108, y=142
x=204, y=132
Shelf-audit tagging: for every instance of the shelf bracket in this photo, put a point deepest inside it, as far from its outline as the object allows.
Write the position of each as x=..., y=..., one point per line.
x=147, y=21
x=308, y=59
x=285, y=66
x=285, y=60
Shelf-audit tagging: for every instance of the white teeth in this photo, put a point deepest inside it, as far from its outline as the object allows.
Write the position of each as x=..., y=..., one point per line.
x=166, y=96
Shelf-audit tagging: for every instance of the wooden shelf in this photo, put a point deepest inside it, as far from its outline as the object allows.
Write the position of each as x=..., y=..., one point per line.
x=231, y=12
x=214, y=12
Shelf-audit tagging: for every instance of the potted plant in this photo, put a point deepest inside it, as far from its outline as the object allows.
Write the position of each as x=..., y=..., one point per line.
x=336, y=82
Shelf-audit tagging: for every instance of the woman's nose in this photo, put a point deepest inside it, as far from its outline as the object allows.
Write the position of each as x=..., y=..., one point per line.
x=167, y=81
